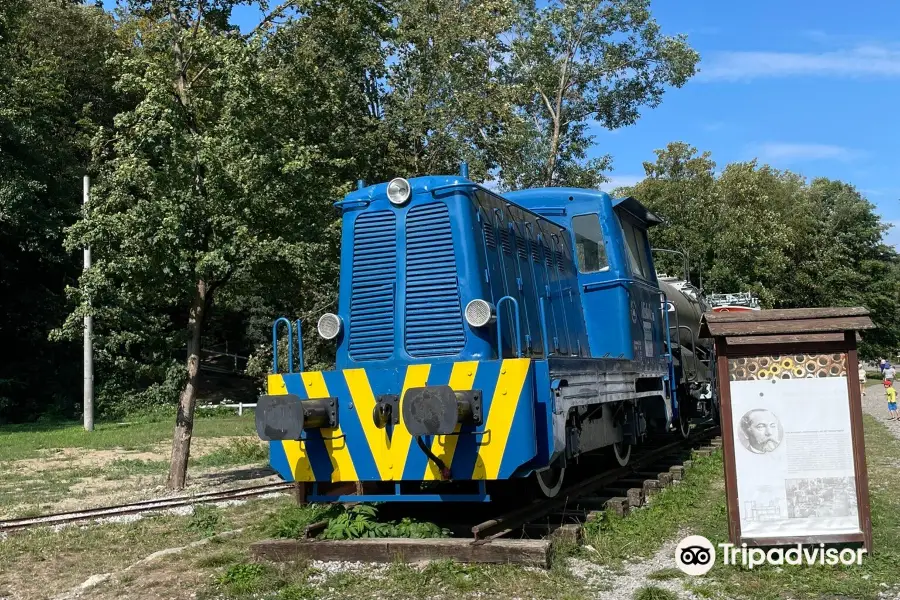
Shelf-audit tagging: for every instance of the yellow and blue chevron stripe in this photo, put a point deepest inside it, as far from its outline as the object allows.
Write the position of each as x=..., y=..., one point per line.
x=357, y=450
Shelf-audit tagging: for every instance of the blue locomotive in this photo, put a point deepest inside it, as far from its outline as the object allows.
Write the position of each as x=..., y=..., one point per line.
x=484, y=338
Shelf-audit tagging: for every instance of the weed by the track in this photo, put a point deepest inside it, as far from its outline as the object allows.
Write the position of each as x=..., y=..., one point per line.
x=362, y=522
x=665, y=575
x=239, y=451
x=207, y=520
x=652, y=592
x=290, y=521
x=244, y=578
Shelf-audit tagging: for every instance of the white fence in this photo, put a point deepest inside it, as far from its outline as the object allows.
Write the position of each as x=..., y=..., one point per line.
x=240, y=406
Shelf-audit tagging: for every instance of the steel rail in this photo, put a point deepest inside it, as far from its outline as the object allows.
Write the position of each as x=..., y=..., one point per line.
x=140, y=506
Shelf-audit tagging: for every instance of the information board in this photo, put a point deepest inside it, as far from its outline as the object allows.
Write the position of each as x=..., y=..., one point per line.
x=789, y=398
x=794, y=457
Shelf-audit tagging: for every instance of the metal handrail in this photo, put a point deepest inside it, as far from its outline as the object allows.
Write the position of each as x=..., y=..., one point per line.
x=693, y=349
x=355, y=203
x=500, y=327
x=544, y=327
x=685, y=261
x=275, y=345
x=670, y=357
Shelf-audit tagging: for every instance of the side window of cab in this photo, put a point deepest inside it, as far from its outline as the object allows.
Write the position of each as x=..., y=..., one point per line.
x=589, y=245
x=636, y=249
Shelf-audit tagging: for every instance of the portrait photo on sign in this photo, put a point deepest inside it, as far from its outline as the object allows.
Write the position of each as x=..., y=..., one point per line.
x=760, y=431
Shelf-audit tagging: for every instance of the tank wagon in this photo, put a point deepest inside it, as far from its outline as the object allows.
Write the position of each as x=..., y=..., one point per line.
x=486, y=341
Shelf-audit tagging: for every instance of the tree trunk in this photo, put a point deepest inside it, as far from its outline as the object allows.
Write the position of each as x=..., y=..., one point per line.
x=184, y=421
x=554, y=153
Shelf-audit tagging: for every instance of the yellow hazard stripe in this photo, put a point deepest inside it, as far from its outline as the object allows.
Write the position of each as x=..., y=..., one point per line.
x=444, y=446
x=338, y=452
x=416, y=376
x=500, y=417
x=364, y=405
x=294, y=451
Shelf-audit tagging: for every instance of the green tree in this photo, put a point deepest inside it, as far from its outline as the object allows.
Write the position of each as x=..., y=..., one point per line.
x=55, y=90
x=195, y=194
x=576, y=64
x=792, y=242
x=443, y=97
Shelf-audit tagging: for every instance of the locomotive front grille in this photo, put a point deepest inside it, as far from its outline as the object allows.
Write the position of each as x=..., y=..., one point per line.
x=434, y=325
x=373, y=287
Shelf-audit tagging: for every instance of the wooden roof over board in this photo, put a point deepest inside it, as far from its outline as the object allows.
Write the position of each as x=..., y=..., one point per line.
x=785, y=325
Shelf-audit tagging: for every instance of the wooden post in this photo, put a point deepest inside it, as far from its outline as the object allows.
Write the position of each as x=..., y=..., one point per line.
x=299, y=493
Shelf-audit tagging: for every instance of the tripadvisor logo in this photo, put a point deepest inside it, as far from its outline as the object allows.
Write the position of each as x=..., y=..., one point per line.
x=696, y=555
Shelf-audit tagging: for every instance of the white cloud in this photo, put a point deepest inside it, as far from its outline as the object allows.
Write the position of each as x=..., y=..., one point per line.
x=617, y=181
x=778, y=151
x=713, y=126
x=871, y=60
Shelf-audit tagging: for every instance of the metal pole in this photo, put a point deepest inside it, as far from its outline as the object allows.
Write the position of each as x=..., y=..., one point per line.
x=88, y=339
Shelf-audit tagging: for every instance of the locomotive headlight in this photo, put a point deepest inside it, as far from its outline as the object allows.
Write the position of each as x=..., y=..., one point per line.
x=329, y=326
x=480, y=313
x=398, y=191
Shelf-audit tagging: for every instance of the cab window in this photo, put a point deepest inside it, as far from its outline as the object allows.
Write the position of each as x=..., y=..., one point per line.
x=636, y=248
x=589, y=244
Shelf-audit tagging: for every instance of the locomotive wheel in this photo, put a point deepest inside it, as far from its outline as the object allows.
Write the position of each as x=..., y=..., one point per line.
x=550, y=480
x=684, y=425
x=622, y=452
x=714, y=410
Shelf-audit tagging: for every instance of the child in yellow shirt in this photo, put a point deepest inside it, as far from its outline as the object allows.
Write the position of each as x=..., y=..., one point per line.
x=892, y=399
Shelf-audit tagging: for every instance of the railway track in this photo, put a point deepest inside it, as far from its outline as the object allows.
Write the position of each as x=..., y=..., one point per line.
x=521, y=535
x=140, y=507
x=618, y=490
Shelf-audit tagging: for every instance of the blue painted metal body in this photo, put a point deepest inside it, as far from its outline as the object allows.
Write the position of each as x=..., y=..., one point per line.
x=453, y=242
x=407, y=274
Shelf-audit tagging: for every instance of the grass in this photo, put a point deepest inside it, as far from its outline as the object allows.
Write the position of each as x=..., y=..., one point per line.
x=28, y=441
x=699, y=497
x=42, y=563
x=697, y=506
x=290, y=521
x=238, y=452
x=665, y=574
x=54, y=562
x=863, y=581
x=442, y=578
x=652, y=592
x=45, y=465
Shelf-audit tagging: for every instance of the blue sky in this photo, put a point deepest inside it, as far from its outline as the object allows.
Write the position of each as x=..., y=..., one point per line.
x=810, y=86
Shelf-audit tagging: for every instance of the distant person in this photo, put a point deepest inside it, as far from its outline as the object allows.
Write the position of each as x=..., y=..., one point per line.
x=892, y=400
x=881, y=365
x=862, y=380
x=889, y=373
